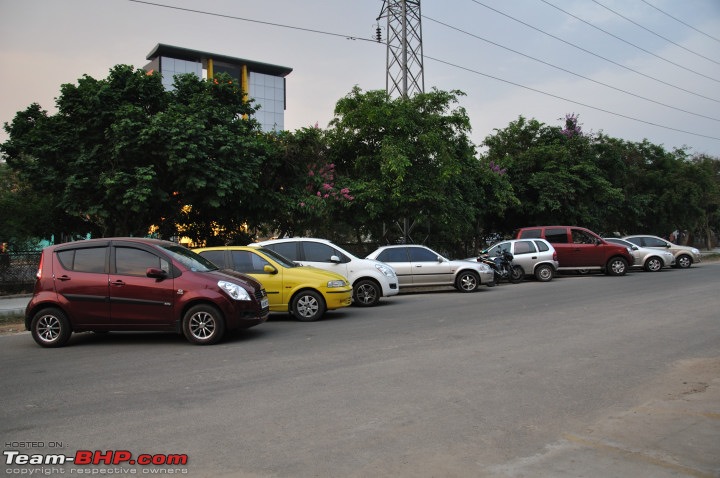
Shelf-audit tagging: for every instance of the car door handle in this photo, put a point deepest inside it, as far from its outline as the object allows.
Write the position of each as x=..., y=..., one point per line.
x=117, y=282
x=63, y=278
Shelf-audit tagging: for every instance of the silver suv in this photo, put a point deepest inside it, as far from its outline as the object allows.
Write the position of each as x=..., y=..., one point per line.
x=418, y=266
x=370, y=279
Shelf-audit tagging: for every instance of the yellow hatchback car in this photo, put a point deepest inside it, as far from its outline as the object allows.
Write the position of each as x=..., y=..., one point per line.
x=305, y=292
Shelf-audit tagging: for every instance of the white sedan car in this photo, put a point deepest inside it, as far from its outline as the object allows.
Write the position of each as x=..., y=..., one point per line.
x=418, y=266
x=652, y=260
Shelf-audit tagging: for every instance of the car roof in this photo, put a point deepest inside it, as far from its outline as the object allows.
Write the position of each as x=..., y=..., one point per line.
x=293, y=239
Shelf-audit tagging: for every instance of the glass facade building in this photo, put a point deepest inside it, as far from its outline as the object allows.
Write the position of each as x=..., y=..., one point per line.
x=262, y=82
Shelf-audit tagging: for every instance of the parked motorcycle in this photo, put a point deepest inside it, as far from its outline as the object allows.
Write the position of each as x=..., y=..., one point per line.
x=503, y=266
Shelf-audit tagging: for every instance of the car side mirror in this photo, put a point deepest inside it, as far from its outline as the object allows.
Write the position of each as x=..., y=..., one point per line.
x=154, y=273
x=268, y=269
x=335, y=259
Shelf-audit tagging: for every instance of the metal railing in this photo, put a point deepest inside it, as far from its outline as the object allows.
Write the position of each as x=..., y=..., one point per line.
x=17, y=272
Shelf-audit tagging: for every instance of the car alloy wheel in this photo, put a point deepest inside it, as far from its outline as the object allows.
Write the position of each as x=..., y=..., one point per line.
x=203, y=324
x=366, y=293
x=654, y=264
x=683, y=261
x=308, y=306
x=467, y=281
x=50, y=328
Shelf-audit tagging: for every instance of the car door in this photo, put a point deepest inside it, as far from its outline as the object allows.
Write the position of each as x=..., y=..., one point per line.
x=427, y=269
x=81, y=282
x=525, y=255
x=253, y=264
x=136, y=300
x=397, y=258
x=323, y=256
x=584, y=249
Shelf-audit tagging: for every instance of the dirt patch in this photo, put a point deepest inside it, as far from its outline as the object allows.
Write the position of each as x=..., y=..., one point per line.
x=11, y=325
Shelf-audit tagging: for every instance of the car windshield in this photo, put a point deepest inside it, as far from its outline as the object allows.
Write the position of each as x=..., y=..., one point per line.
x=191, y=260
x=279, y=258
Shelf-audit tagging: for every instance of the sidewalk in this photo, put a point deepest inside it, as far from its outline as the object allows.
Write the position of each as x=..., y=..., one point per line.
x=14, y=305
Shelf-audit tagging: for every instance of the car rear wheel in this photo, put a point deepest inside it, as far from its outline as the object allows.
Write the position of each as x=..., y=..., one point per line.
x=203, y=324
x=684, y=261
x=544, y=273
x=366, y=293
x=517, y=274
x=654, y=264
x=467, y=281
x=50, y=328
x=617, y=266
x=308, y=306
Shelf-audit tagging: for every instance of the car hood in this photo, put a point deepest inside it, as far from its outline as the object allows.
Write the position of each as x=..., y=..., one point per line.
x=243, y=279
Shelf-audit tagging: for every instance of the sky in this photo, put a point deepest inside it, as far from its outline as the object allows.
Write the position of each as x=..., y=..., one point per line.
x=631, y=69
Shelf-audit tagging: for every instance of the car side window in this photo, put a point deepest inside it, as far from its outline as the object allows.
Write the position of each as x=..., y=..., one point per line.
x=419, y=254
x=581, y=237
x=635, y=240
x=524, y=247
x=530, y=233
x=316, y=252
x=542, y=246
x=216, y=257
x=652, y=242
x=248, y=262
x=90, y=259
x=556, y=236
x=287, y=249
x=396, y=254
x=135, y=262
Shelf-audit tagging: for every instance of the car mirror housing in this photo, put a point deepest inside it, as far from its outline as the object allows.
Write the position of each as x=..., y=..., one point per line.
x=335, y=259
x=269, y=269
x=156, y=273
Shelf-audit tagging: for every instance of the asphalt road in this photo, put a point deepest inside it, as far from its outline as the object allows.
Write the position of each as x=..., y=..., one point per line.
x=533, y=379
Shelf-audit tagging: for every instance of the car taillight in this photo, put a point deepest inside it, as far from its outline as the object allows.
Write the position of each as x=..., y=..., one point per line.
x=555, y=256
x=39, y=272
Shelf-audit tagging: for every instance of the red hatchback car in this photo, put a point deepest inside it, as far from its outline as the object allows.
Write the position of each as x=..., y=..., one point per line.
x=125, y=284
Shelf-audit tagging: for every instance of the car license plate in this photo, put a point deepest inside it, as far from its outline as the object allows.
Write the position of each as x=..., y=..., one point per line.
x=264, y=302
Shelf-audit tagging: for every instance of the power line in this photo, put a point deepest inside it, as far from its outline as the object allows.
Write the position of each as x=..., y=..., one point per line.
x=654, y=33
x=568, y=71
x=630, y=43
x=595, y=54
x=231, y=17
x=569, y=100
x=680, y=21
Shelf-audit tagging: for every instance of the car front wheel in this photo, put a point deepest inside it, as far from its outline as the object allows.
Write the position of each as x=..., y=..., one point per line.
x=308, y=306
x=684, y=261
x=50, y=328
x=366, y=293
x=617, y=266
x=203, y=324
x=467, y=281
x=654, y=264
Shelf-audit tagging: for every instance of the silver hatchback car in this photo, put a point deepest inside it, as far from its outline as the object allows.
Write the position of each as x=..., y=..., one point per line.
x=536, y=257
x=418, y=266
x=685, y=256
x=652, y=260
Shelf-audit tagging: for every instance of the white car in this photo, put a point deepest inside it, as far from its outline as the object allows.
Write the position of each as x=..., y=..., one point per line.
x=370, y=279
x=652, y=260
x=685, y=256
x=418, y=266
x=537, y=257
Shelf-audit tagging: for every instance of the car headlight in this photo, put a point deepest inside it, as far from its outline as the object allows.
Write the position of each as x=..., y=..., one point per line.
x=695, y=251
x=234, y=290
x=484, y=267
x=386, y=270
x=336, y=283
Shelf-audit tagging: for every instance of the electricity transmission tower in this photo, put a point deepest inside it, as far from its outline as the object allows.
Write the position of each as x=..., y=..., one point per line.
x=404, y=62
x=405, y=76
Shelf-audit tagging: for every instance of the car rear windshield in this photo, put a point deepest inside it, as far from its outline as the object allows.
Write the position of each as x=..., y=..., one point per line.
x=190, y=259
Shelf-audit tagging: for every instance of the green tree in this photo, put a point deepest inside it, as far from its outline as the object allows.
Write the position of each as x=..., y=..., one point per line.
x=408, y=159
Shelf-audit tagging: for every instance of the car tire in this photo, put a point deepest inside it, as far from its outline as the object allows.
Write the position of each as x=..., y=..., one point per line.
x=616, y=266
x=653, y=264
x=366, y=293
x=544, y=273
x=203, y=324
x=50, y=328
x=517, y=274
x=467, y=281
x=307, y=306
x=683, y=261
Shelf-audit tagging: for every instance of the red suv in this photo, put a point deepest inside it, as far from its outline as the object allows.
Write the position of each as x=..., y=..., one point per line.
x=581, y=249
x=138, y=284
